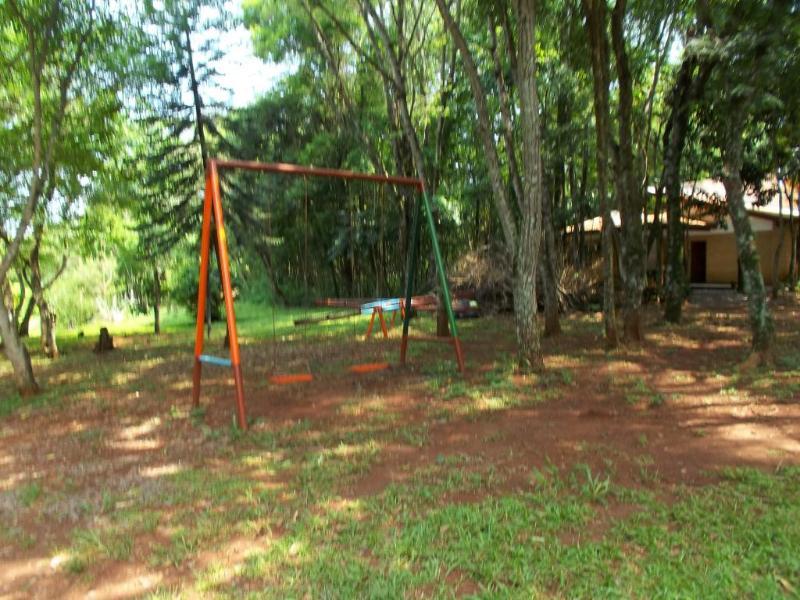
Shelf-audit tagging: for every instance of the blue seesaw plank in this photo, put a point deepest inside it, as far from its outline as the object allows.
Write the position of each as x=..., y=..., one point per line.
x=386, y=304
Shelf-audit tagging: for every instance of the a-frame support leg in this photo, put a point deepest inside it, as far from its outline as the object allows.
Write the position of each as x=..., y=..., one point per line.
x=205, y=238
x=212, y=209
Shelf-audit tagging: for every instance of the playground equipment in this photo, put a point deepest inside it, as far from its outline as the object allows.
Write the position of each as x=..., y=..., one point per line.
x=377, y=309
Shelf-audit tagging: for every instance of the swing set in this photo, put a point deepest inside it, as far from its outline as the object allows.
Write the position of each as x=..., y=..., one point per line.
x=377, y=309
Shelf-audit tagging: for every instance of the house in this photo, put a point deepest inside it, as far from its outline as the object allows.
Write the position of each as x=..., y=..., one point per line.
x=711, y=254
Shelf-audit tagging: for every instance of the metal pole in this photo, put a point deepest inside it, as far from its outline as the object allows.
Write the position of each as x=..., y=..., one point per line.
x=437, y=255
x=413, y=251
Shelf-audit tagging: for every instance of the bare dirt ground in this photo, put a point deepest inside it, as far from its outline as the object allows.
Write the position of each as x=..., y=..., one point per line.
x=672, y=413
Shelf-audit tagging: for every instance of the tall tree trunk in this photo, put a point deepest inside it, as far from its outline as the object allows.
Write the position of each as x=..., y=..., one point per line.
x=687, y=88
x=523, y=241
x=629, y=197
x=792, y=279
x=550, y=270
x=397, y=80
x=761, y=324
x=530, y=231
x=25, y=321
x=484, y=130
x=16, y=352
x=197, y=101
x=156, y=300
x=47, y=319
x=776, y=258
x=595, y=12
x=550, y=264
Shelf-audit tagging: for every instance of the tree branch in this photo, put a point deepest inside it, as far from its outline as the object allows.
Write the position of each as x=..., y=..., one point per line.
x=505, y=114
x=356, y=46
x=484, y=128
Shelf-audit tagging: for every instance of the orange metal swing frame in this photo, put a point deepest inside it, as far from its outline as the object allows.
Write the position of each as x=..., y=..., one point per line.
x=213, y=214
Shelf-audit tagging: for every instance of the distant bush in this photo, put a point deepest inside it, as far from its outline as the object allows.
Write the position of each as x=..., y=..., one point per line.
x=85, y=290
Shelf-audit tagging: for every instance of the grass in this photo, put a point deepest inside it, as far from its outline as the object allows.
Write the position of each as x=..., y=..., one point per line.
x=532, y=543
x=733, y=539
x=636, y=390
x=30, y=493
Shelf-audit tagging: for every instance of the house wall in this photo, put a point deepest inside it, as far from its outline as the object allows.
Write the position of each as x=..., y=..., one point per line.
x=722, y=256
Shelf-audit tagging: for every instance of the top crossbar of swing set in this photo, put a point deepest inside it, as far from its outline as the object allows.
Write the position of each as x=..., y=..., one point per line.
x=323, y=172
x=212, y=211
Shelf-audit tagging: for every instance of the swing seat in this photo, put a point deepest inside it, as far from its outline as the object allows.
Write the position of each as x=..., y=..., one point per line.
x=214, y=360
x=290, y=378
x=369, y=367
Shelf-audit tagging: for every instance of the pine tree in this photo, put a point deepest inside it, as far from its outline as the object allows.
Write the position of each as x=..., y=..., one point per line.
x=178, y=121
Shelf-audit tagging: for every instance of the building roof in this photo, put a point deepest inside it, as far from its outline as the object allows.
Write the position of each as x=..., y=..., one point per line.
x=595, y=224
x=769, y=202
x=708, y=197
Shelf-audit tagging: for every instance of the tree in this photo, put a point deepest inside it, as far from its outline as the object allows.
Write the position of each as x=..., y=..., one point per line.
x=522, y=233
x=686, y=90
x=48, y=65
x=595, y=12
x=370, y=55
x=756, y=46
x=39, y=286
x=628, y=193
x=177, y=120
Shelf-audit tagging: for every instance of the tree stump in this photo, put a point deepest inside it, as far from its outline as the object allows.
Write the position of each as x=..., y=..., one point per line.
x=105, y=343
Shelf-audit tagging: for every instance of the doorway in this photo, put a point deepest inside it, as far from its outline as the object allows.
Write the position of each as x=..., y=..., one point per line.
x=698, y=262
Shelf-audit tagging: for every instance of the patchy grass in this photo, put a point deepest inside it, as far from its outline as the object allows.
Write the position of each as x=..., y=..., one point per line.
x=420, y=483
x=405, y=542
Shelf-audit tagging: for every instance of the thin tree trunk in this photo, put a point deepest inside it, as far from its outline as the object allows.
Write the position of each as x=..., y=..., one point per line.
x=156, y=300
x=16, y=352
x=505, y=114
x=792, y=279
x=687, y=88
x=327, y=49
x=47, y=320
x=484, y=129
x=552, y=323
x=549, y=266
x=196, y=99
x=595, y=12
x=377, y=28
x=24, y=323
x=655, y=235
x=761, y=323
x=776, y=280
x=21, y=302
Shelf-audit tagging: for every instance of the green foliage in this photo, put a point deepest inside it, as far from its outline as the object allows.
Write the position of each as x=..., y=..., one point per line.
x=178, y=120
x=86, y=290
x=30, y=493
x=184, y=281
